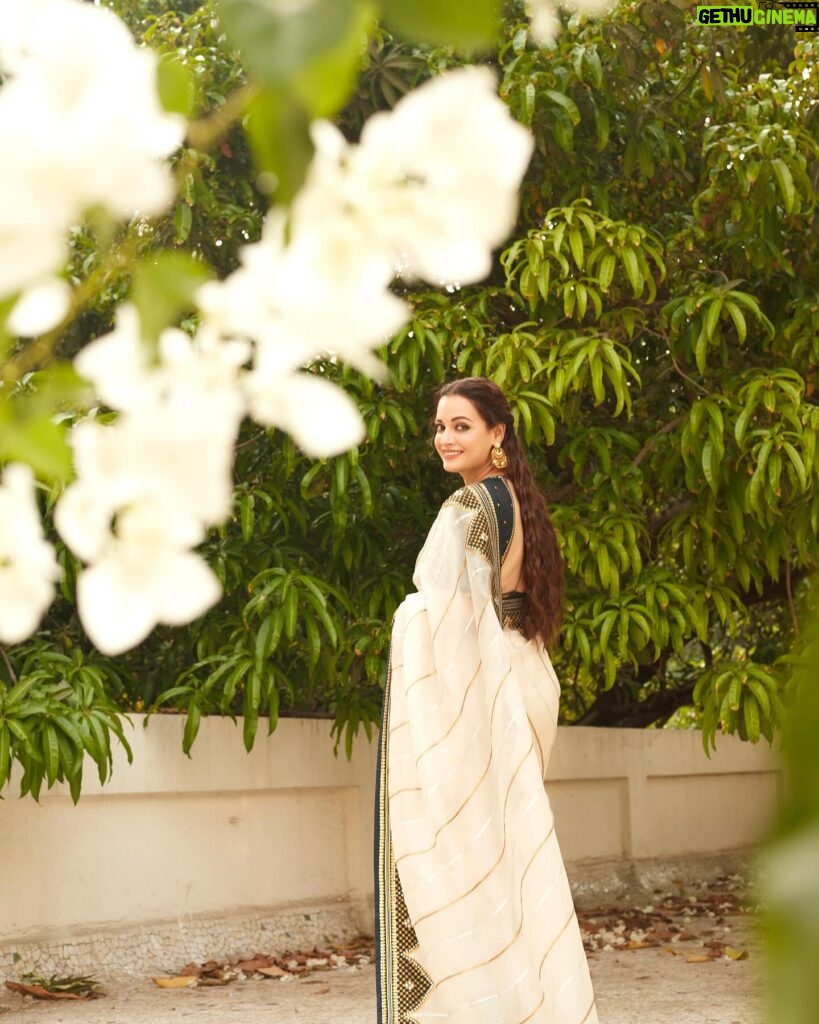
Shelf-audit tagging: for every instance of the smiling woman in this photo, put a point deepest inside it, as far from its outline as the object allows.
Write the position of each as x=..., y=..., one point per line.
x=474, y=915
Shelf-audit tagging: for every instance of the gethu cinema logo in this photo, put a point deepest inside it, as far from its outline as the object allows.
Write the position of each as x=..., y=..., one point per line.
x=803, y=16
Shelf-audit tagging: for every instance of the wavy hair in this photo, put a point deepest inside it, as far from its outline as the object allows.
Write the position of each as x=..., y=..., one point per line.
x=543, y=571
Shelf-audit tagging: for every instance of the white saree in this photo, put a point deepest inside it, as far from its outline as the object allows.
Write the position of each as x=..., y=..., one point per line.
x=475, y=918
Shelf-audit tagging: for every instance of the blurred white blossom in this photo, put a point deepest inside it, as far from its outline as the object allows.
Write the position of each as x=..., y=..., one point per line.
x=433, y=183
x=544, y=23
x=80, y=126
x=39, y=308
x=149, y=484
x=321, y=418
x=146, y=574
x=28, y=566
x=431, y=188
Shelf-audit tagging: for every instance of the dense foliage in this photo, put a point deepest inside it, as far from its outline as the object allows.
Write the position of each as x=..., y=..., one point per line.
x=654, y=322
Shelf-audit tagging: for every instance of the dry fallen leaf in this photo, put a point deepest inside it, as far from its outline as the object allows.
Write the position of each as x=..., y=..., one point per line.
x=271, y=972
x=736, y=954
x=38, y=992
x=179, y=981
x=697, y=958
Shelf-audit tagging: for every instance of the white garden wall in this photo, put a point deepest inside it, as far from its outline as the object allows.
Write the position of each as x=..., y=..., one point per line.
x=280, y=841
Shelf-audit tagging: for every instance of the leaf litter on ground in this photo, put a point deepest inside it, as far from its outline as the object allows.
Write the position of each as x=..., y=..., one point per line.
x=282, y=966
x=670, y=918
x=54, y=987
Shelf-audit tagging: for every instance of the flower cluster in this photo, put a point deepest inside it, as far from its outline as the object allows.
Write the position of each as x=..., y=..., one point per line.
x=28, y=568
x=81, y=126
x=544, y=23
x=428, y=192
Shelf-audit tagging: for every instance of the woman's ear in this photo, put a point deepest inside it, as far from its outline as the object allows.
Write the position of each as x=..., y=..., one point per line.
x=500, y=432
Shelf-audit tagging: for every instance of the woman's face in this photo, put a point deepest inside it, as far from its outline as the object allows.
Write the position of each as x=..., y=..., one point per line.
x=464, y=440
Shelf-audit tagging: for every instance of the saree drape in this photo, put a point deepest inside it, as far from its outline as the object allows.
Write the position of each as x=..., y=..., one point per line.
x=475, y=922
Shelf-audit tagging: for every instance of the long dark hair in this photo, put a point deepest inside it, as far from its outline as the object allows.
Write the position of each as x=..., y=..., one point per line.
x=543, y=571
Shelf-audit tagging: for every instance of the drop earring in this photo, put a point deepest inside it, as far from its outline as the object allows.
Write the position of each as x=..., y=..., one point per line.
x=499, y=459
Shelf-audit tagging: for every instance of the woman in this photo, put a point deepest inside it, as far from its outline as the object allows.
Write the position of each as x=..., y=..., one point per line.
x=474, y=916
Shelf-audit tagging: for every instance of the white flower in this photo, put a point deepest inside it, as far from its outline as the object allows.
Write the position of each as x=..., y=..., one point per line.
x=321, y=293
x=145, y=576
x=28, y=566
x=544, y=23
x=80, y=125
x=322, y=419
x=40, y=308
x=180, y=418
x=149, y=484
x=433, y=182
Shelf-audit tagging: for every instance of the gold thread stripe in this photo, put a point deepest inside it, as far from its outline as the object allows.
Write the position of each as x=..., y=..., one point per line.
x=480, y=620
x=420, y=679
x=454, y=595
x=407, y=625
x=416, y=853
x=539, y=744
x=551, y=944
x=480, y=881
x=455, y=720
x=523, y=879
x=406, y=789
x=588, y=1012
x=529, y=1016
x=519, y=929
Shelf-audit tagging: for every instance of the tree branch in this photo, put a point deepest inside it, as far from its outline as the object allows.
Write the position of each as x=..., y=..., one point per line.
x=9, y=666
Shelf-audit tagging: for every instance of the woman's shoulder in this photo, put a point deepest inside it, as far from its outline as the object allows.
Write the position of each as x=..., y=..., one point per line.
x=469, y=496
x=493, y=492
x=493, y=488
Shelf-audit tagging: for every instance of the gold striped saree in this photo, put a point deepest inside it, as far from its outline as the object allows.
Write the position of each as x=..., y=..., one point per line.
x=475, y=922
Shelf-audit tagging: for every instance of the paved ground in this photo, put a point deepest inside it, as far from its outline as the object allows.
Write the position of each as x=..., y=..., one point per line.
x=646, y=976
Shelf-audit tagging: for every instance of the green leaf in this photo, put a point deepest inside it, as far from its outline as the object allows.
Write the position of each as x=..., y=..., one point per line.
x=606, y=271
x=797, y=463
x=566, y=103
x=278, y=40
x=750, y=714
x=191, y=725
x=325, y=83
x=163, y=289
x=784, y=179
x=51, y=753
x=5, y=754
x=247, y=516
x=291, y=612
x=182, y=222
x=176, y=85
x=468, y=25
x=279, y=129
x=267, y=638
x=632, y=269
x=35, y=440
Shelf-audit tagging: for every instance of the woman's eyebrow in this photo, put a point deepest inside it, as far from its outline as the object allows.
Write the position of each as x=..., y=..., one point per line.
x=466, y=419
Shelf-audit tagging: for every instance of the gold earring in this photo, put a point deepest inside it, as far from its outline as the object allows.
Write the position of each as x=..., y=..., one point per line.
x=499, y=460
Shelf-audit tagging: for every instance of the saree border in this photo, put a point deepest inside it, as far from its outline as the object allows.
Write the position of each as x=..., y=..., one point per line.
x=401, y=982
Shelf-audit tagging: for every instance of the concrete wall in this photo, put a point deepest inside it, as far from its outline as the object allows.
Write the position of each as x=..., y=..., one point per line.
x=170, y=838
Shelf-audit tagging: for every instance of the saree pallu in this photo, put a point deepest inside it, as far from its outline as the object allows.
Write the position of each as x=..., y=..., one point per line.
x=475, y=922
